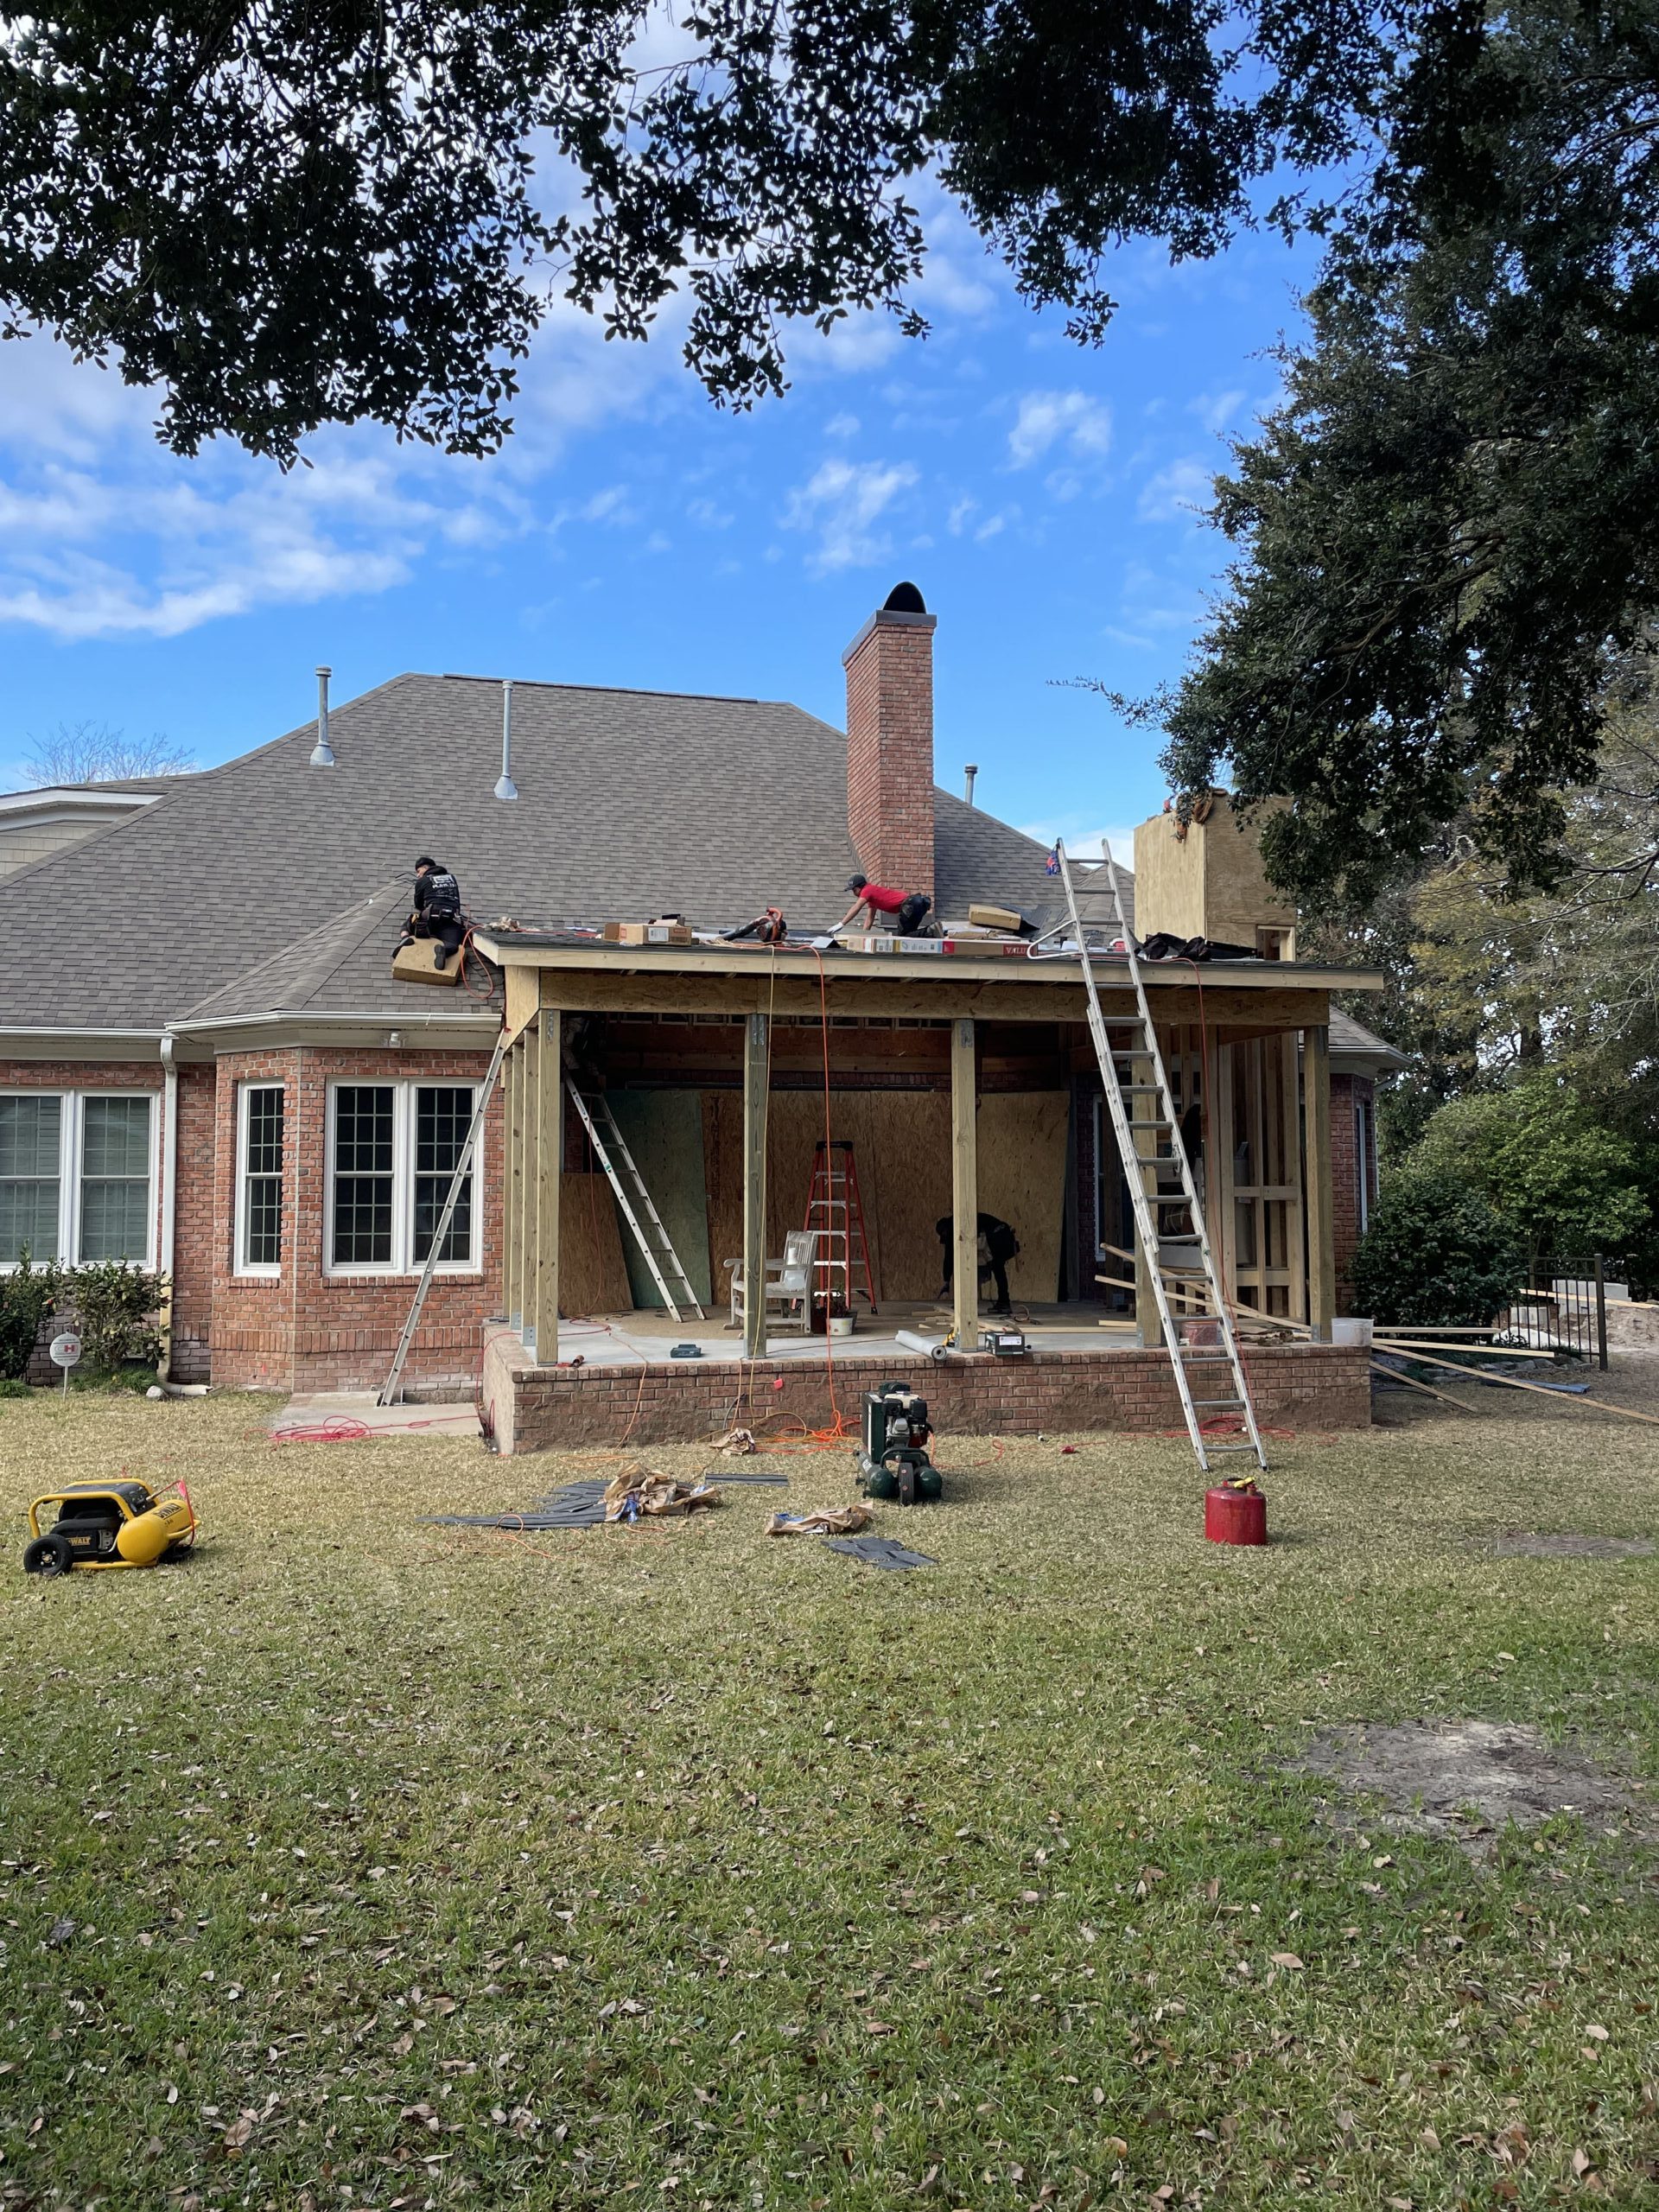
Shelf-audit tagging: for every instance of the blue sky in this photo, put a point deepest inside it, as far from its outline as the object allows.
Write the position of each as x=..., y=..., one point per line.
x=1040, y=494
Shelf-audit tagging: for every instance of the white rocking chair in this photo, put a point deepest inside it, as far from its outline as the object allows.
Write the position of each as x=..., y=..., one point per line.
x=786, y=1296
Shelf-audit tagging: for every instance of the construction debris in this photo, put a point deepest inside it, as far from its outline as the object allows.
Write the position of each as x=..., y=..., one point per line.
x=826, y=1520
x=878, y=1551
x=640, y=1493
x=736, y=1444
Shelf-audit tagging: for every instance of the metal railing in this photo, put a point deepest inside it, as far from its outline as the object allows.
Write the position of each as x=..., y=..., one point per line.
x=1563, y=1308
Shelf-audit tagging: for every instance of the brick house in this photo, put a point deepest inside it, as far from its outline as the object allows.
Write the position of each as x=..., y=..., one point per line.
x=207, y=1066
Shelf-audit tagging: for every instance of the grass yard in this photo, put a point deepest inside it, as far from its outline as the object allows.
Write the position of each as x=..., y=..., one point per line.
x=356, y=1863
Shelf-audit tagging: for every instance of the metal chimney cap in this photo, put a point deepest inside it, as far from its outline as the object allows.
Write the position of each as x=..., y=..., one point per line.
x=323, y=669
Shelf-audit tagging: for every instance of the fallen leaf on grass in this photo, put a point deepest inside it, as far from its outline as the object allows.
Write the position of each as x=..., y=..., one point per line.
x=1289, y=1960
x=239, y=2133
x=1600, y=2034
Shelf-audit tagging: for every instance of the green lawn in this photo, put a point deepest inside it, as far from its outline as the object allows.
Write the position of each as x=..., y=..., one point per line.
x=410, y=1868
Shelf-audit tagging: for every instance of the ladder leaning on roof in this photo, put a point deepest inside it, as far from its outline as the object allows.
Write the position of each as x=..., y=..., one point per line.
x=650, y=1234
x=1142, y=1168
x=457, y=1184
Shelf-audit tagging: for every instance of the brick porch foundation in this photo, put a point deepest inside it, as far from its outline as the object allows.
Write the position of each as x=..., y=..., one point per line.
x=673, y=1402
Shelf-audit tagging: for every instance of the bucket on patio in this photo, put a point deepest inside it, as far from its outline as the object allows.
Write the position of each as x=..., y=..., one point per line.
x=1234, y=1517
x=841, y=1325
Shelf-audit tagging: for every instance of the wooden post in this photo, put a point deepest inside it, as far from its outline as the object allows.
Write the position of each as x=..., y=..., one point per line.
x=516, y=1183
x=1149, y=1328
x=756, y=1074
x=509, y=1228
x=1222, y=1214
x=529, y=1135
x=542, y=1197
x=1317, y=1193
x=964, y=1184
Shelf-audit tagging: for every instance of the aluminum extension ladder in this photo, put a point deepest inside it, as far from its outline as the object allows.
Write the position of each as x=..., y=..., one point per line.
x=1143, y=1174
x=650, y=1233
x=394, y=1382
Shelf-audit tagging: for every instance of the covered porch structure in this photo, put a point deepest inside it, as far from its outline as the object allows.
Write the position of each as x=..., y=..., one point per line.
x=966, y=1083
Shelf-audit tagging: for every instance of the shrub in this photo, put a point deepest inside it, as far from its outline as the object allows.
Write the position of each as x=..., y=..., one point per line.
x=29, y=1296
x=116, y=1306
x=1435, y=1251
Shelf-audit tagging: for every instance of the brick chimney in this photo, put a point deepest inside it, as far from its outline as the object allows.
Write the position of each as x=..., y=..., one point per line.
x=890, y=742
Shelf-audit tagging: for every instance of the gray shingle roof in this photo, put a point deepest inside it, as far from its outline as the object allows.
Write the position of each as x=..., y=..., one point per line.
x=263, y=879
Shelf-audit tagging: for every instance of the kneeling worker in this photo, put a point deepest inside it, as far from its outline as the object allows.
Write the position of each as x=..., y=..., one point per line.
x=437, y=910
x=909, y=909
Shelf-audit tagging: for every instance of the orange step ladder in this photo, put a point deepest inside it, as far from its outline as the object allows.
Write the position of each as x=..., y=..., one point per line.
x=836, y=1212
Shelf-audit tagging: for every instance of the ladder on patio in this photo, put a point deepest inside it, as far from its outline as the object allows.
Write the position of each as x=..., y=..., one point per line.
x=835, y=1212
x=1142, y=1169
x=458, y=1182
x=648, y=1229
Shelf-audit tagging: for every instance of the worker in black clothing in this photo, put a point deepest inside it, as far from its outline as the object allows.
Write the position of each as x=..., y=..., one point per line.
x=997, y=1245
x=437, y=911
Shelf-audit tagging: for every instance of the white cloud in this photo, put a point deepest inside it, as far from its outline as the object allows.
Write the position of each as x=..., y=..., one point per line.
x=1176, y=492
x=842, y=503
x=1081, y=425
x=841, y=426
x=1216, y=410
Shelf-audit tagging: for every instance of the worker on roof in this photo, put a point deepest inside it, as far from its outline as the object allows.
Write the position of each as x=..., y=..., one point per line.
x=908, y=909
x=436, y=912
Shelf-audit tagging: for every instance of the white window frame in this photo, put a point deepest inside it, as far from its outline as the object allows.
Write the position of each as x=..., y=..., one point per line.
x=402, y=1263
x=260, y=1270
x=72, y=1125
x=1365, y=1123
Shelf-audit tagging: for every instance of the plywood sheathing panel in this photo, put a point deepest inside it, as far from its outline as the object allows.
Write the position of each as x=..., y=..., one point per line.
x=1210, y=883
x=1022, y=1138
x=663, y=1131
x=722, y=1169
x=593, y=1275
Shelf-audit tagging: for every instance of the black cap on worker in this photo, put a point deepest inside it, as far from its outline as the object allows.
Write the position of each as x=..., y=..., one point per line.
x=856, y=882
x=426, y=860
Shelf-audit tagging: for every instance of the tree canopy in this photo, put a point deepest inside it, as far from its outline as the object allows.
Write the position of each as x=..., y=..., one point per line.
x=1449, y=530
x=288, y=214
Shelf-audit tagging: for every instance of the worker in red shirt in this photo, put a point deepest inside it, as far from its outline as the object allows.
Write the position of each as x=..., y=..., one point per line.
x=909, y=909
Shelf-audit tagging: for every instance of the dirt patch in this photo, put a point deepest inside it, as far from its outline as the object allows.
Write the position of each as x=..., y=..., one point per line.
x=1467, y=1779
x=1522, y=1546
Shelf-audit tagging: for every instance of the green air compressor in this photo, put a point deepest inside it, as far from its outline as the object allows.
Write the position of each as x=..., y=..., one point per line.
x=893, y=1460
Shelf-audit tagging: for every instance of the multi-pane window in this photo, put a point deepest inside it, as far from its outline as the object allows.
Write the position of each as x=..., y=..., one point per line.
x=76, y=1172
x=259, y=1234
x=393, y=1149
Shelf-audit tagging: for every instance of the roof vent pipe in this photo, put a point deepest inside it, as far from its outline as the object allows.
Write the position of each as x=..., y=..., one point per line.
x=504, y=786
x=968, y=775
x=322, y=753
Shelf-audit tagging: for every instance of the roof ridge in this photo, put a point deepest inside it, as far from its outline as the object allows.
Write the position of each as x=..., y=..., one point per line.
x=334, y=941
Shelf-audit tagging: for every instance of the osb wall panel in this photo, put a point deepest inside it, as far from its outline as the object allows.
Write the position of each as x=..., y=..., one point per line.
x=722, y=1173
x=1022, y=1178
x=663, y=1131
x=593, y=1275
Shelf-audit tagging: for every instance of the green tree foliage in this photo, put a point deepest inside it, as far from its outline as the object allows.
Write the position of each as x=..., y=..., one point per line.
x=1566, y=1183
x=1450, y=528
x=287, y=214
x=1435, y=1252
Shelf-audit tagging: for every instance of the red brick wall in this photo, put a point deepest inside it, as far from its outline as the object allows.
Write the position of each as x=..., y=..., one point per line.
x=890, y=749
x=304, y=1330
x=1346, y=1092
x=193, y=1228
x=1300, y=1386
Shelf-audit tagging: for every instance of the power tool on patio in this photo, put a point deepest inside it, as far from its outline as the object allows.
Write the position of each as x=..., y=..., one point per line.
x=892, y=1460
x=122, y=1523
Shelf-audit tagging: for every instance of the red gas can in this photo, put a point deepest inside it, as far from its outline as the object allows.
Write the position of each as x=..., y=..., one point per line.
x=1234, y=1517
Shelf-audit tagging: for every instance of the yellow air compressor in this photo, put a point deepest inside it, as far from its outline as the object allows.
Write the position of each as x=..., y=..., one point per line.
x=124, y=1523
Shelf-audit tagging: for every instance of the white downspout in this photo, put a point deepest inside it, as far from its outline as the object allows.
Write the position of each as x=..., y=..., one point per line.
x=170, y=1193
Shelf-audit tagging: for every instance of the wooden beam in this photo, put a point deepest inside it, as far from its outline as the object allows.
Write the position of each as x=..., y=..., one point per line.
x=1038, y=994
x=548, y=1155
x=756, y=1074
x=529, y=1130
x=964, y=1184
x=1148, y=1326
x=522, y=999
x=509, y=1223
x=1222, y=1214
x=1318, y=1195
x=522, y=1109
